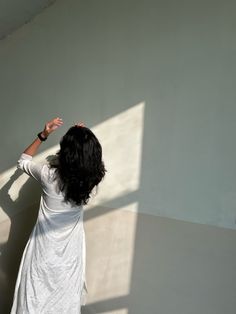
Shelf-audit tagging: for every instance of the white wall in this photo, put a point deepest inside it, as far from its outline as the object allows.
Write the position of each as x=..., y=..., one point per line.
x=155, y=80
x=93, y=60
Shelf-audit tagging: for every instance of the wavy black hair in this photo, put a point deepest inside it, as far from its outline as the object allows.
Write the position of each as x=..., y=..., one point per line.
x=79, y=164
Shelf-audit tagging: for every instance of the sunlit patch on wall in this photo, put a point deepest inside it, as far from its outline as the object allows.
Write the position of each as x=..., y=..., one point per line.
x=121, y=139
x=111, y=239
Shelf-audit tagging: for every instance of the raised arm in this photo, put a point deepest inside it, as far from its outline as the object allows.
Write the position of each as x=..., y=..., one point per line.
x=42, y=136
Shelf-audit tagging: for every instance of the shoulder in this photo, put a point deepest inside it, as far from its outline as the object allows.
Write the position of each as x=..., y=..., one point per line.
x=48, y=173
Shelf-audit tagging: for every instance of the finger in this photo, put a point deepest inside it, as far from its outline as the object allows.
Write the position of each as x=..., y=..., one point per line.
x=58, y=119
x=80, y=124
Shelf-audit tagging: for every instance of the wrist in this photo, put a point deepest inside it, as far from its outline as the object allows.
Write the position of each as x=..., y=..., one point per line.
x=42, y=136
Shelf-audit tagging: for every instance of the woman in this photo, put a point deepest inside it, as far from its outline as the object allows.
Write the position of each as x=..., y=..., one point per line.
x=51, y=277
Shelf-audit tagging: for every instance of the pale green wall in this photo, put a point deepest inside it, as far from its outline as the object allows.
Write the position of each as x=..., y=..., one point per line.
x=94, y=59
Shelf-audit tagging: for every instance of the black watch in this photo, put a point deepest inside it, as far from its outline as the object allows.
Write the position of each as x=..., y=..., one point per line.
x=42, y=139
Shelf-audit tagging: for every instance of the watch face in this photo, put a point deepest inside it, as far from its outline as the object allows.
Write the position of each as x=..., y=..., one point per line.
x=41, y=138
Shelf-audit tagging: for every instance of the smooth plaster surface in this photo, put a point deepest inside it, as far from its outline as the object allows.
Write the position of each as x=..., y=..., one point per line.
x=14, y=13
x=155, y=80
x=93, y=60
x=139, y=263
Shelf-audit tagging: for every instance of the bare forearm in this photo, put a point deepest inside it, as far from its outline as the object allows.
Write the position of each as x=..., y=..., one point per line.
x=48, y=129
x=32, y=148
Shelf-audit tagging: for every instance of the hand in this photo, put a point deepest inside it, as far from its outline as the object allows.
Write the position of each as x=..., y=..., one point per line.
x=52, y=126
x=80, y=124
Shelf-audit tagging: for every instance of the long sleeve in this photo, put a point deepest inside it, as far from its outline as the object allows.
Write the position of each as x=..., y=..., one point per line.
x=26, y=164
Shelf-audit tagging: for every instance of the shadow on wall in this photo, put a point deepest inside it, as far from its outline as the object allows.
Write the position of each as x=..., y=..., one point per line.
x=20, y=226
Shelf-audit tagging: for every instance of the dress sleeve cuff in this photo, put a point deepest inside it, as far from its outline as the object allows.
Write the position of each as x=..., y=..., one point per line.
x=26, y=156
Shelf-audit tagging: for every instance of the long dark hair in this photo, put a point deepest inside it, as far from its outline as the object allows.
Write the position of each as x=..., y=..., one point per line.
x=80, y=167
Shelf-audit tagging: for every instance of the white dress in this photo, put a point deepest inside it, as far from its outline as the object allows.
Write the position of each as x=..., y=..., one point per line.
x=51, y=277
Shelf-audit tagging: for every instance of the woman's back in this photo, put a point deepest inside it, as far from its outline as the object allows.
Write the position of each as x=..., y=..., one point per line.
x=51, y=277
